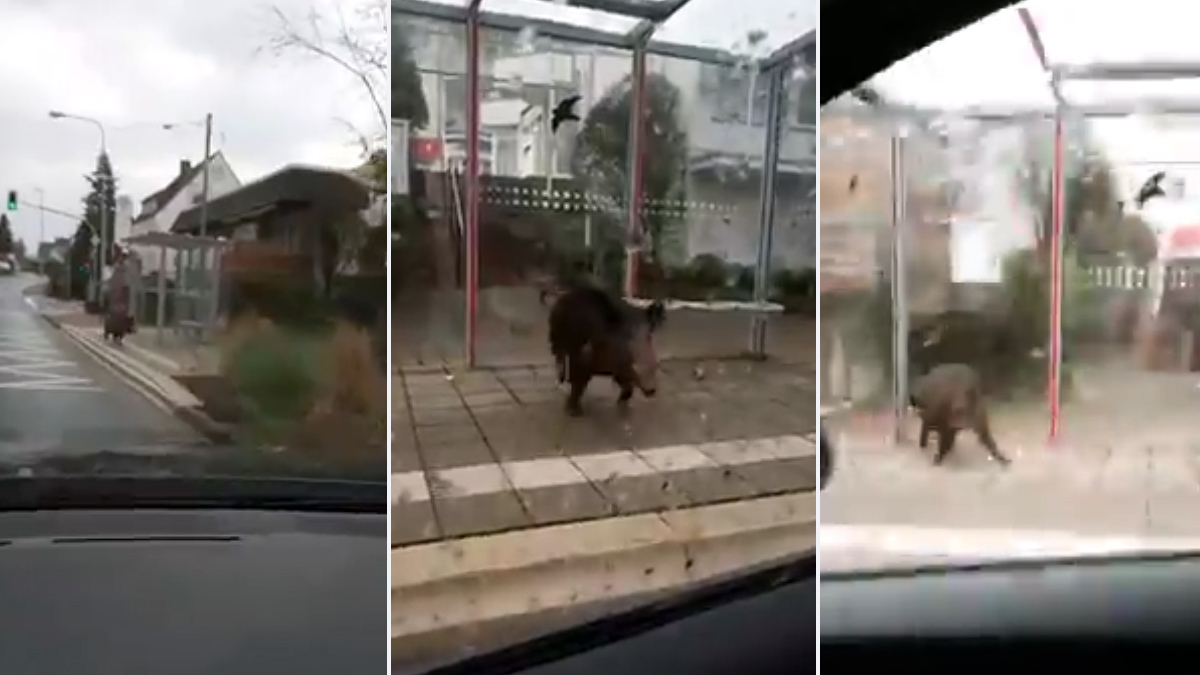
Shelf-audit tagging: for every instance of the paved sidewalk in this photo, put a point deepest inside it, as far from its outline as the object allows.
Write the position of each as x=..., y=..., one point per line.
x=1129, y=485
x=492, y=450
x=171, y=357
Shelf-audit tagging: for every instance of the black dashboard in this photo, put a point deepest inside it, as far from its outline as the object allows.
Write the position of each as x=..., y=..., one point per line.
x=1123, y=601
x=192, y=591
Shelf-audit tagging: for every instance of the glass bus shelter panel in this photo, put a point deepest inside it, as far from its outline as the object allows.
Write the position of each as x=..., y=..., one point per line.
x=856, y=196
x=427, y=270
x=792, y=273
x=976, y=277
x=547, y=213
x=1131, y=292
x=700, y=191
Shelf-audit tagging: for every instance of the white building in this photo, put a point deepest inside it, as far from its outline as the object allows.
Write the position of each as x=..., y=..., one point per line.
x=723, y=111
x=160, y=210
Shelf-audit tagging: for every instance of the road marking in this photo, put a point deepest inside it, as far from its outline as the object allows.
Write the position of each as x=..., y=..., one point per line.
x=29, y=361
x=493, y=478
x=985, y=543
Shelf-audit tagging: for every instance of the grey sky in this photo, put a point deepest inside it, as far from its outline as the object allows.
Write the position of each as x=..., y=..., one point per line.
x=716, y=24
x=992, y=64
x=136, y=65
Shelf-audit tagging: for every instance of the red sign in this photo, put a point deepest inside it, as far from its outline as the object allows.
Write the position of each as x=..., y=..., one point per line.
x=426, y=150
x=1184, y=240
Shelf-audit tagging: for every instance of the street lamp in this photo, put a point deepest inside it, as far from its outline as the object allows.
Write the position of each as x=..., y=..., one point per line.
x=59, y=115
x=208, y=120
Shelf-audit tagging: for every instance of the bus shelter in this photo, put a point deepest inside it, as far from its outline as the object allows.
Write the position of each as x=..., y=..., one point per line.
x=683, y=171
x=971, y=216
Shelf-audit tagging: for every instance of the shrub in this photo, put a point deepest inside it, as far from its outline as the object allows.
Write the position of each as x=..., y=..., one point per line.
x=708, y=271
x=271, y=370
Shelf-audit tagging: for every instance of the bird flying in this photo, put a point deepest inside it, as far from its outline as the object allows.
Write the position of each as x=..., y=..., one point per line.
x=563, y=112
x=1150, y=189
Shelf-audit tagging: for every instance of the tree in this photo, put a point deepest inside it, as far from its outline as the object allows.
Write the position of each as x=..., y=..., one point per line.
x=6, y=235
x=360, y=50
x=80, y=259
x=100, y=203
x=1095, y=228
x=408, y=94
x=601, y=154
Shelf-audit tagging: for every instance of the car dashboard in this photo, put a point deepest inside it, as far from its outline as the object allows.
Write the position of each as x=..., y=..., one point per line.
x=1002, y=608
x=192, y=591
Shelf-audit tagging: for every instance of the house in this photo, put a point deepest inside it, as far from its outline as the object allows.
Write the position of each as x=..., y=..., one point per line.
x=276, y=223
x=160, y=210
x=723, y=114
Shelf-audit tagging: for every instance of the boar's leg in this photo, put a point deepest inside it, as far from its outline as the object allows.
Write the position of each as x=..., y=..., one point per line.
x=946, y=436
x=626, y=382
x=923, y=441
x=580, y=374
x=983, y=431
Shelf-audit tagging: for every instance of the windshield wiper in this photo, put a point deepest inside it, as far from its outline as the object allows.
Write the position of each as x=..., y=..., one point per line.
x=42, y=493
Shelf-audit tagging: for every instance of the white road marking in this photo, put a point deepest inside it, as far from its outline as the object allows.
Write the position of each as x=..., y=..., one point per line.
x=492, y=478
x=29, y=361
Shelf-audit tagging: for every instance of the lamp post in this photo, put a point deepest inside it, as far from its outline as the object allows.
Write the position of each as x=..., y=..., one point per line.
x=208, y=126
x=100, y=254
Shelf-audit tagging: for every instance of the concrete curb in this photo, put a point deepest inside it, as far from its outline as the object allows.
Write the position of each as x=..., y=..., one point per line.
x=159, y=389
x=448, y=594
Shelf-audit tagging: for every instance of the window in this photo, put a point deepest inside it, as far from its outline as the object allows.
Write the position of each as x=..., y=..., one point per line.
x=735, y=95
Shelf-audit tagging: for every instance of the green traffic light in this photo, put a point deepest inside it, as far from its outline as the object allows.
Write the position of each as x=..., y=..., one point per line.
x=12, y=200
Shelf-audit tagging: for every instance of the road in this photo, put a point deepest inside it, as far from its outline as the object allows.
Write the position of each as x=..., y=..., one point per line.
x=55, y=398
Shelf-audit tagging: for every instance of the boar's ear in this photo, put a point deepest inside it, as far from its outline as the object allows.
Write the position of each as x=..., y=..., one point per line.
x=656, y=315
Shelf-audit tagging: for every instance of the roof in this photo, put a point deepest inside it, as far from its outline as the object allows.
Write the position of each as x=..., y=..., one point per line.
x=330, y=190
x=165, y=195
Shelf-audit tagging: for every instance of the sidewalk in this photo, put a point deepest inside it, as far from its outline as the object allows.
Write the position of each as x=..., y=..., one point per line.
x=1132, y=475
x=501, y=498
x=171, y=357
x=488, y=451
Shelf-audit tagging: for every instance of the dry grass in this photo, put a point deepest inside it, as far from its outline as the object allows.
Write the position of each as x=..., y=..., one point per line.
x=353, y=381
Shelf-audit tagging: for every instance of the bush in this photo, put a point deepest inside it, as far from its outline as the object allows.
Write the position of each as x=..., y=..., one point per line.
x=283, y=300
x=707, y=271
x=271, y=370
x=360, y=299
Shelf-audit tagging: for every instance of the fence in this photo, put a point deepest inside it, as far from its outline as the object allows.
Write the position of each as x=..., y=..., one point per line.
x=704, y=197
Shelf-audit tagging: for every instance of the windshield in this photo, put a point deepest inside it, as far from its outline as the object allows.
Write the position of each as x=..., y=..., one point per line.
x=191, y=275
x=1044, y=296
x=601, y=329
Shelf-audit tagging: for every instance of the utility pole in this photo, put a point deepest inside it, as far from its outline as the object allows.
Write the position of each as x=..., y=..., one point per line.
x=42, y=231
x=208, y=118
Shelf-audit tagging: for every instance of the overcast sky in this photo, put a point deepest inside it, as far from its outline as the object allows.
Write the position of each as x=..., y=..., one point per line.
x=137, y=64
x=992, y=63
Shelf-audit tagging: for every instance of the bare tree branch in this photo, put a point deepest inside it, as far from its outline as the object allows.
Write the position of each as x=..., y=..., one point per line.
x=360, y=50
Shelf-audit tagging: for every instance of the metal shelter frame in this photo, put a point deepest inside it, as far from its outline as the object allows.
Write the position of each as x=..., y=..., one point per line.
x=639, y=40
x=1063, y=110
x=184, y=245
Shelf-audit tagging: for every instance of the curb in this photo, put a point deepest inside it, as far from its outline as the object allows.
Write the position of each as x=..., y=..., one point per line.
x=448, y=594
x=159, y=389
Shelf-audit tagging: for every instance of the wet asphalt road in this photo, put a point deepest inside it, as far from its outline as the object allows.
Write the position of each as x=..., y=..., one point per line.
x=55, y=398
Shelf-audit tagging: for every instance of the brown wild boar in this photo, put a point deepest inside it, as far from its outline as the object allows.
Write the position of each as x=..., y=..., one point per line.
x=950, y=398
x=594, y=333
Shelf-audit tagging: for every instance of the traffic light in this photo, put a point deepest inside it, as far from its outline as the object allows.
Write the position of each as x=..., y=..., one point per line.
x=12, y=200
